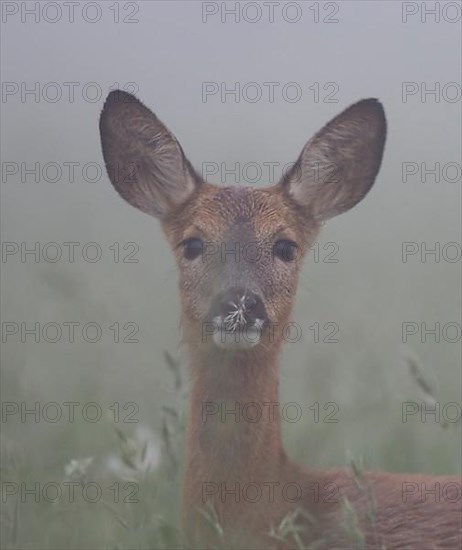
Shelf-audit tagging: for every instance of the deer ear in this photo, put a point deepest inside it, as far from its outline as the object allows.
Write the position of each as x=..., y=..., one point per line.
x=338, y=166
x=144, y=161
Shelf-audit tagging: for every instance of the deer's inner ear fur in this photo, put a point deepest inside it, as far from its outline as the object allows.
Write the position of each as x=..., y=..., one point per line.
x=145, y=162
x=338, y=166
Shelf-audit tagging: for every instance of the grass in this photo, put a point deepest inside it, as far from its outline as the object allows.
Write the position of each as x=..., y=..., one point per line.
x=139, y=470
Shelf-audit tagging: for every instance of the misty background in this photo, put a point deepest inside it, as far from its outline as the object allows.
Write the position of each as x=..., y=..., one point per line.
x=165, y=58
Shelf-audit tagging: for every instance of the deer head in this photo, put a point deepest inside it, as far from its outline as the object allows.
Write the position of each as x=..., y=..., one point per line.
x=239, y=250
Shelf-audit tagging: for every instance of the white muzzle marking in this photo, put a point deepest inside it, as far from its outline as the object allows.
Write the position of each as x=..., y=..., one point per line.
x=232, y=331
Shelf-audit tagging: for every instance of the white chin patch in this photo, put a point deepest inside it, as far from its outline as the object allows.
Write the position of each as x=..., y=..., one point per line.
x=239, y=339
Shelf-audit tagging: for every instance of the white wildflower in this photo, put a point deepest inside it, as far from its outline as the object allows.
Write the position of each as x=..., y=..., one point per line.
x=138, y=455
x=76, y=469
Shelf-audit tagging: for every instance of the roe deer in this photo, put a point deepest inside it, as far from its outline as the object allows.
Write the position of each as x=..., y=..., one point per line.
x=240, y=489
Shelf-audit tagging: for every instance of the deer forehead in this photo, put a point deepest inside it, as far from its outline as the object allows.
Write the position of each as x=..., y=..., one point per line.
x=239, y=214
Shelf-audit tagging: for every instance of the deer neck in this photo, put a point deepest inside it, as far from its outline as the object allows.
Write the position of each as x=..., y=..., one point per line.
x=234, y=424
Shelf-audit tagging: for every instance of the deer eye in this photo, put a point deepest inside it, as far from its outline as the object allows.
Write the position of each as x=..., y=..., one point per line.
x=285, y=250
x=192, y=248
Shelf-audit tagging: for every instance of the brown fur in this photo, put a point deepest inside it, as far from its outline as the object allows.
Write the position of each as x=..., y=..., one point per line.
x=336, y=169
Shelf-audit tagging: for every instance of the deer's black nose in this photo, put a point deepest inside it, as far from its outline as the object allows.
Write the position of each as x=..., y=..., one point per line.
x=238, y=308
